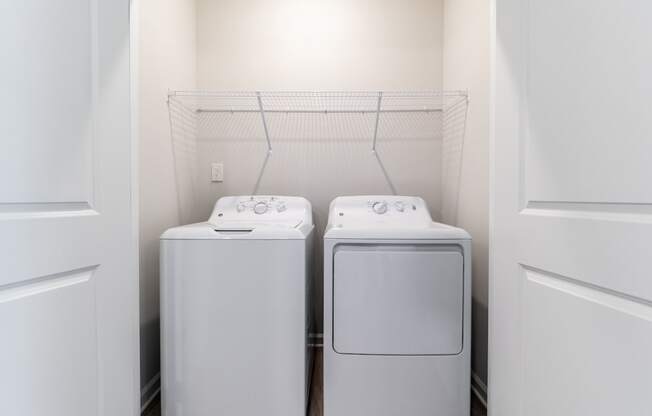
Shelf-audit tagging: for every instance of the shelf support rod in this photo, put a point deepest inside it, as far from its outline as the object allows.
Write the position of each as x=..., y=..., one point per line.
x=382, y=168
x=264, y=120
x=261, y=173
x=269, y=143
x=373, y=146
x=380, y=100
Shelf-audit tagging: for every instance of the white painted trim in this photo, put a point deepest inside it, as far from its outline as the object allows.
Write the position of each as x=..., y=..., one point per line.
x=492, y=197
x=150, y=391
x=134, y=40
x=479, y=388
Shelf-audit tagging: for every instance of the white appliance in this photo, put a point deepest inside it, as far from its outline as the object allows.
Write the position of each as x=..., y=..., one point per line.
x=235, y=310
x=397, y=311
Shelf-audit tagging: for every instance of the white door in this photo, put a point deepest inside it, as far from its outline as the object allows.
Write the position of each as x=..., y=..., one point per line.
x=571, y=288
x=68, y=288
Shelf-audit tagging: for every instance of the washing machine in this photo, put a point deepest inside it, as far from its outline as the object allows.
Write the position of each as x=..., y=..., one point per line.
x=235, y=310
x=397, y=310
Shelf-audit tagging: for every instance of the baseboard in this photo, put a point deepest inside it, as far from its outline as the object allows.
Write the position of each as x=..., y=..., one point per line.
x=479, y=388
x=149, y=392
x=153, y=388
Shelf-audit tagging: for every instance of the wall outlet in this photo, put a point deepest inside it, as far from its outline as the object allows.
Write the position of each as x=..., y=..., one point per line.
x=217, y=172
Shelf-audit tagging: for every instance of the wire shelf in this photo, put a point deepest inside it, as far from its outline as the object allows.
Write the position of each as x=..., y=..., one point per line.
x=320, y=101
x=266, y=119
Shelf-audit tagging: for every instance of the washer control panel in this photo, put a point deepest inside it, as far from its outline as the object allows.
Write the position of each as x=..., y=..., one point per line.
x=238, y=211
x=260, y=205
x=379, y=210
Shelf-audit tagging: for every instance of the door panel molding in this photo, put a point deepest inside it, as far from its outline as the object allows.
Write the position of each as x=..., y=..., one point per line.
x=50, y=349
x=48, y=283
x=618, y=301
x=584, y=348
x=53, y=85
x=599, y=211
x=580, y=113
x=15, y=211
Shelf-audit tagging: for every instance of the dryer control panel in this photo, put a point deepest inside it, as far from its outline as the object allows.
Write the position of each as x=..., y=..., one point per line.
x=379, y=210
x=251, y=211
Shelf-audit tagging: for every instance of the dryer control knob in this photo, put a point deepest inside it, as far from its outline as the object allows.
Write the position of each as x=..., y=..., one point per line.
x=380, y=207
x=280, y=207
x=260, y=208
x=240, y=207
x=400, y=206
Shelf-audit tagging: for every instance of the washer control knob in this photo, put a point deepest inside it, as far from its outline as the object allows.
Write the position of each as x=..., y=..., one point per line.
x=240, y=207
x=280, y=207
x=380, y=207
x=260, y=208
x=400, y=206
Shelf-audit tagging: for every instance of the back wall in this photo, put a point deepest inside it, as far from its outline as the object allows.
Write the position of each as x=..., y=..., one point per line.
x=313, y=45
x=319, y=45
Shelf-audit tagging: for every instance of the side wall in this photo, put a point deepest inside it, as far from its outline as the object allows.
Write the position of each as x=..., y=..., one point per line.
x=166, y=59
x=467, y=66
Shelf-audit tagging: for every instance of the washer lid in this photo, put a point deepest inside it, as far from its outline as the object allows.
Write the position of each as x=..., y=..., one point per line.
x=252, y=217
x=386, y=216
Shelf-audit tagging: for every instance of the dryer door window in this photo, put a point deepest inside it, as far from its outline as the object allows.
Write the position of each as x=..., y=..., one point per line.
x=398, y=299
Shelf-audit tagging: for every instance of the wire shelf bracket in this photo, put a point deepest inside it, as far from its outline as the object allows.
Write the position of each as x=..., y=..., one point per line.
x=264, y=120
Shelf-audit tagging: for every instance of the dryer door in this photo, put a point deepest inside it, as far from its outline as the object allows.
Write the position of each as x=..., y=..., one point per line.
x=398, y=299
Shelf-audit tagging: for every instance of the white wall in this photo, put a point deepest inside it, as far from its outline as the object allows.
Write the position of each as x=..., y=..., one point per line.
x=166, y=58
x=466, y=66
x=316, y=44
x=319, y=45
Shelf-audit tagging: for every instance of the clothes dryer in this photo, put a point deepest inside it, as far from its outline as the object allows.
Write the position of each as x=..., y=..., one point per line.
x=397, y=310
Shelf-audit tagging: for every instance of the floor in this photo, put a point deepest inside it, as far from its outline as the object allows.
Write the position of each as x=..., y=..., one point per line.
x=316, y=402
